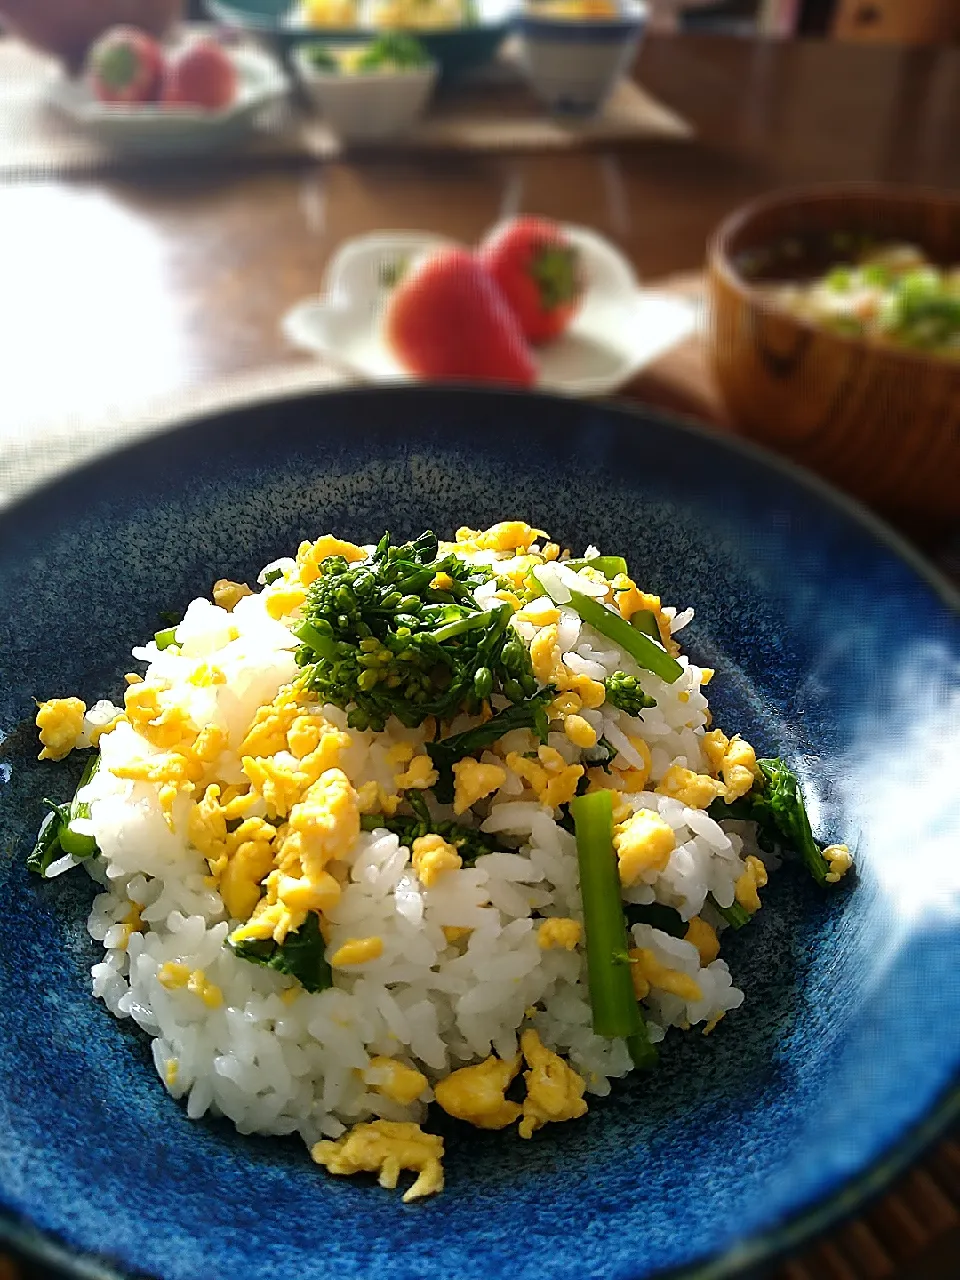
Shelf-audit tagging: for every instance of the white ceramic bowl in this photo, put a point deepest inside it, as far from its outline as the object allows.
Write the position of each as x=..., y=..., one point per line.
x=573, y=64
x=151, y=129
x=371, y=107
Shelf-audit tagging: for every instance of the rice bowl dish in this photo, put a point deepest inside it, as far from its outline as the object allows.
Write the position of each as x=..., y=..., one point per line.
x=431, y=824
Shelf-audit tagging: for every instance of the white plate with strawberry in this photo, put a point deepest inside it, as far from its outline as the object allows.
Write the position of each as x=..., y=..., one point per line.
x=195, y=96
x=537, y=303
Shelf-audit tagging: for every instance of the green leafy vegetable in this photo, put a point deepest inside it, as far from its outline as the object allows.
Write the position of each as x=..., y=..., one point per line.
x=666, y=919
x=47, y=848
x=75, y=835
x=531, y=714
x=393, y=51
x=624, y=692
x=776, y=805
x=321, y=58
x=612, y=997
x=468, y=842
x=380, y=639
x=300, y=955
x=644, y=651
x=271, y=576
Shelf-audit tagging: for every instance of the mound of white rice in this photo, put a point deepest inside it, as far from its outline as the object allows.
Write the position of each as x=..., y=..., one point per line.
x=277, y=1059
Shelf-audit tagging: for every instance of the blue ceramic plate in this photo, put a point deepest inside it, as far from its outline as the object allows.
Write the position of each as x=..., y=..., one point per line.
x=833, y=646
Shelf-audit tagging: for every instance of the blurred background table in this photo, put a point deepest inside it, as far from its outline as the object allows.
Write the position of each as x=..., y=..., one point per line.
x=119, y=294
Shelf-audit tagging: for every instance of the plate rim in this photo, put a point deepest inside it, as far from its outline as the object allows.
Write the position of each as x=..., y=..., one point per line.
x=742, y=1258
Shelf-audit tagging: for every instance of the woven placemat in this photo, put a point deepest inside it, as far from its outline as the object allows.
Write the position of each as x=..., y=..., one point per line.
x=492, y=112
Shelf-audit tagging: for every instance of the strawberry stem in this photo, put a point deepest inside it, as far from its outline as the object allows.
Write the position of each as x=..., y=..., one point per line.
x=556, y=270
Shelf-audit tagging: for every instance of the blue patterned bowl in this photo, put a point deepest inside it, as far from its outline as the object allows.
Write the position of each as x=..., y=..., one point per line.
x=574, y=64
x=833, y=646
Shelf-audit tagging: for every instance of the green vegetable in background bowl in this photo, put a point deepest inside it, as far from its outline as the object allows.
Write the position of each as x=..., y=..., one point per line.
x=392, y=52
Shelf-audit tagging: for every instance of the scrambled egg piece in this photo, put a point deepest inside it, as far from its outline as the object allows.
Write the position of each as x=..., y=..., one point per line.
x=330, y=13
x=432, y=856
x=386, y=1147
x=357, y=951
x=473, y=781
x=508, y=535
x=704, y=938
x=734, y=759
x=545, y=657
x=175, y=976
x=420, y=775
x=283, y=599
x=278, y=785
x=647, y=972
x=250, y=853
x=559, y=931
x=227, y=595
x=476, y=1094
x=554, y=1090
x=166, y=727
x=694, y=789
x=395, y=1080
x=552, y=779
x=269, y=728
x=541, y=613
x=60, y=721
x=580, y=732
x=564, y=704
x=644, y=842
x=840, y=859
x=322, y=828
x=456, y=932
x=310, y=554
x=754, y=877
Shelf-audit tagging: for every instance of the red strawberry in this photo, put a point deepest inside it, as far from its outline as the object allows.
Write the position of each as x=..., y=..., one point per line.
x=202, y=76
x=447, y=320
x=126, y=65
x=539, y=273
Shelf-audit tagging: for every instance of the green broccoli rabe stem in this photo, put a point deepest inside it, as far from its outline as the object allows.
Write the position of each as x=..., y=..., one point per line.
x=735, y=915
x=165, y=638
x=644, y=651
x=643, y=620
x=610, y=566
x=612, y=997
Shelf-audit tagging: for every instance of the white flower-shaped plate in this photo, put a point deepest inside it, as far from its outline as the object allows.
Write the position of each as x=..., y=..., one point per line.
x=153, y=129
x=619, y=329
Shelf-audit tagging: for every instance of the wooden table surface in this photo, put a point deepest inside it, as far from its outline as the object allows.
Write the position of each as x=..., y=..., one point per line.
x=117, y=293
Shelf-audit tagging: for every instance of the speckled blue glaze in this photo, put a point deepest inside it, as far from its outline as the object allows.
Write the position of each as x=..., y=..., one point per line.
x=828, y=643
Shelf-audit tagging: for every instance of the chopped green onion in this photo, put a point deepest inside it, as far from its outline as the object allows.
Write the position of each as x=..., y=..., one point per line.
x=612, y=997
x=640, y=647
x=165, y=638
